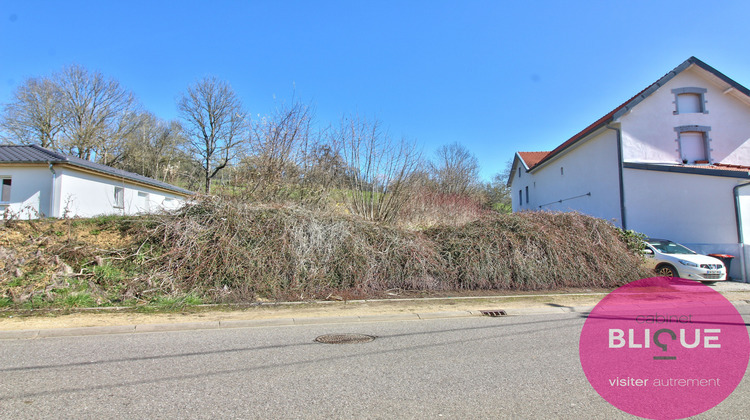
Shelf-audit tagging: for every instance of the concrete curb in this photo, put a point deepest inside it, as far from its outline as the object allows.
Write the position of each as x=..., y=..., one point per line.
x=277, y=322
x=214, y=325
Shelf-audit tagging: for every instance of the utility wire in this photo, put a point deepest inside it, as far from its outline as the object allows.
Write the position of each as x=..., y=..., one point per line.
x=565, y=199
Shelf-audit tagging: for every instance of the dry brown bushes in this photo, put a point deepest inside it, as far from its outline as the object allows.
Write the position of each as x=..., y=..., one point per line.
x=536, y=250
x=238, y=252
x=216, y=250
x=232, y=251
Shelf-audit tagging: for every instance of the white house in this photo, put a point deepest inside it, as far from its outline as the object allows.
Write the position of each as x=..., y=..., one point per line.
x=37, y=182
x=672, y=162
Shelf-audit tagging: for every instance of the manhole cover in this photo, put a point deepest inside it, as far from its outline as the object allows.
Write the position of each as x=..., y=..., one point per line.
x=344, y=338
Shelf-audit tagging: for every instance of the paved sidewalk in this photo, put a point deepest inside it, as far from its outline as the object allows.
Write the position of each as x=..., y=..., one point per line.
x=222, y=324
x=294, y=313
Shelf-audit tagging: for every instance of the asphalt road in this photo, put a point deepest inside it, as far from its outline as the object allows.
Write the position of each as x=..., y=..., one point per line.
x=508, y=367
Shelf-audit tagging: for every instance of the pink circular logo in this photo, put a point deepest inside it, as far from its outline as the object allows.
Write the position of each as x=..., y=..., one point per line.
x=664, y=348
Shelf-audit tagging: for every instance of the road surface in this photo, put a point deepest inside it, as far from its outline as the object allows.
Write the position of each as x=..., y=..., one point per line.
x=505, y=367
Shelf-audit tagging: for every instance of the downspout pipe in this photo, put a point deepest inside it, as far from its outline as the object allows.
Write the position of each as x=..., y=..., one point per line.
x=740, y=233
x=52, y=191
x=623, y=215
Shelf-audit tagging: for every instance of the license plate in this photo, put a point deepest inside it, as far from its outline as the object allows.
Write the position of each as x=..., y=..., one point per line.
x=713, y=272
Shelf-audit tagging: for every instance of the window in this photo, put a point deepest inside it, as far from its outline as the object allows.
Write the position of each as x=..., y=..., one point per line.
x=693, y=142
x=5, y=195
x=519, y=172
x=527, y=195
x=520, y=197
x=690, y=100
x=119, y=197
x=693, y=147
x=561, y=171
x=144, y=203
x=689, y=103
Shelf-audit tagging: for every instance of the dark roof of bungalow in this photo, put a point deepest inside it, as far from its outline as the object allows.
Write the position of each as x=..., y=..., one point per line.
x=34, y=154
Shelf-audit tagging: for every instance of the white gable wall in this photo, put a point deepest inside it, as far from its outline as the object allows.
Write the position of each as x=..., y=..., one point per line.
x=520, y=181
x=697, y=210
x=590, y=167
x=649, y=128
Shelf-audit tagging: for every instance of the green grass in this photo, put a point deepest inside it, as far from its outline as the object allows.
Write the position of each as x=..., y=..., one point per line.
x=79, y=300
x=100, y=221
x=36, y=302
x=19, y=281
x=108, y=274
x=176, y=302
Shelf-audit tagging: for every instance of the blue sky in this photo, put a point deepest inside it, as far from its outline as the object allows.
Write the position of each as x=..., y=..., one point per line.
x=496, y=76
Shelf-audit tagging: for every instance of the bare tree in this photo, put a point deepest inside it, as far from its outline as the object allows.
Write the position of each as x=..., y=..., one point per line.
x=97, y=114
x=216, y=124
x=324, y=168
x=154, y=148
x=279, y=144
x=455, y=169
x=35, y=114
x=287, y=159
x=379, y=168
x=75, y=111
x=497, y=191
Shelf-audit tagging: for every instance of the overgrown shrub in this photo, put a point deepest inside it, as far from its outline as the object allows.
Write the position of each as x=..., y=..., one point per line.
x=635, y=241
x=235, y=251
x=536, y=250
x=216, y=250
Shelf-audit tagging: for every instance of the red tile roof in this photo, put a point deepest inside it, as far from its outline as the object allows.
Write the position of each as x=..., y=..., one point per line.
x=532, y=158
x=722, y=166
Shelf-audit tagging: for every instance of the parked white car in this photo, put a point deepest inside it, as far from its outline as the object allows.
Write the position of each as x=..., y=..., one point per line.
x=671, y=259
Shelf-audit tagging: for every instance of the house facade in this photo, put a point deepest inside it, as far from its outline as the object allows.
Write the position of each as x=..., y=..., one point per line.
x=37, y=182
x=672, y=162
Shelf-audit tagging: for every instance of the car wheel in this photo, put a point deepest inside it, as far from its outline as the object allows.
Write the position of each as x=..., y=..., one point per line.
x=666, y=270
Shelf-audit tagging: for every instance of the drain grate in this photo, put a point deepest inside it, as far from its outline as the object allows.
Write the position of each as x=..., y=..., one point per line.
x=344, y=338
x=494, y=312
